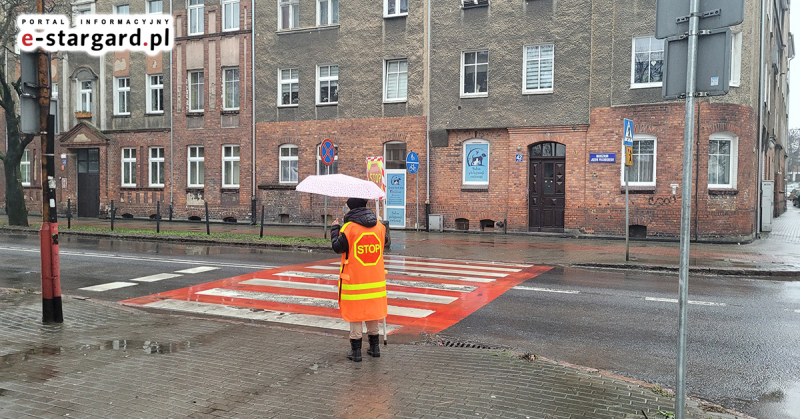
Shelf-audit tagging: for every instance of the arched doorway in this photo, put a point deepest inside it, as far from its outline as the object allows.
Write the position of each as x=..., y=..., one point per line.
x=546, y=185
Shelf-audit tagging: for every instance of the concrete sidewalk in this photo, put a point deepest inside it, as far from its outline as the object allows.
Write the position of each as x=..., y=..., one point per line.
x=776, y=254
x=112, y=361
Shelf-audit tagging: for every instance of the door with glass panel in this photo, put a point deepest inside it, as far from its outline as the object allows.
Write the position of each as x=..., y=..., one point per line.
x=88, y=182
x=546, y=186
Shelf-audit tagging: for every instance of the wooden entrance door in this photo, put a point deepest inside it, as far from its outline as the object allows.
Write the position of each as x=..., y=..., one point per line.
x=88, y=182
x=546, y=183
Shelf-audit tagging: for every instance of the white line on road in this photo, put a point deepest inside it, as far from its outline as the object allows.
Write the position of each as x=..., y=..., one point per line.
x=416, y=274
x=797, y=311
x=156, y=277
x=140, y=258
x=252, y=314
x=461, y=262
x=675, y=300
x=108, y=286
x=397, y=282
x=447, y=265
x=546, y=290
x=197, y=270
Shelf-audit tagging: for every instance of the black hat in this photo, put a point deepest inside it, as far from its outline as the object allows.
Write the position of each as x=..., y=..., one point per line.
x=356, y=203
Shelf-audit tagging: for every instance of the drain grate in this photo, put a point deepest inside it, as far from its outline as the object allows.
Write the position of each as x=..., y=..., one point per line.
x=457, y=344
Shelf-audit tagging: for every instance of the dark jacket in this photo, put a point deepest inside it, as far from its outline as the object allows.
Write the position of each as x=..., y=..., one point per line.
x=363, y=216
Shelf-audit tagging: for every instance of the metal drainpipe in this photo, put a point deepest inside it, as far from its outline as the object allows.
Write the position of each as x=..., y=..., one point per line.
x=428, y=117
x=761, y=91
x=171, y=123
x=253, y=103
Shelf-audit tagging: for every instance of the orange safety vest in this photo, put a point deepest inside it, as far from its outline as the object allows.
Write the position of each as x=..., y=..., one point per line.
x=362, y=278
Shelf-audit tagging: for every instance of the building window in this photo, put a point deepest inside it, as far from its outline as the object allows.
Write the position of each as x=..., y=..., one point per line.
x=395, y=155
x=392, y=8
x=122, y=9
x=196, y=24
x=538, y=71
x=54, y=104
x=289, y=11
x=196, y=91
x=736, y=59
x=230, y=88
x=155, y=6
x=648, y=62
x=230, y=15
x=129, y=167
x=722, y=160
x=288, y=163
x=85, y=96
x=474, y=73
x=122, y=89
x=83, y=9
x=155, y=93
x=333, y=168
x=25, y=168
x=396, y=81
x=476, y=163
x=230, y=166
x=328, y=82
x=197, y=166
x=157, y=166
x=643, y=171
x=289, y=82
x=327, y=12
x=474, y=3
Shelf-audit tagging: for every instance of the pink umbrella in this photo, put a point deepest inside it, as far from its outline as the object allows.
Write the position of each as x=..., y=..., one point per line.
x=341, y=186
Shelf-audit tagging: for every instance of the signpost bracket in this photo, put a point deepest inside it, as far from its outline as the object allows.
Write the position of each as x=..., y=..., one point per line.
x=708, y=13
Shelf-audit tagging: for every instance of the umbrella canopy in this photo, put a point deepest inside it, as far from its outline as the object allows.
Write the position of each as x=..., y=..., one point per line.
x=341, y=186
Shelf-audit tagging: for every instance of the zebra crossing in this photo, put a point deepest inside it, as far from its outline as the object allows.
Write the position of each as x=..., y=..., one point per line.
x=150, y=278
x=424, y=294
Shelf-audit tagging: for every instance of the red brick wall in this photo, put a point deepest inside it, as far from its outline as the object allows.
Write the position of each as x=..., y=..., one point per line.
x=356, y=139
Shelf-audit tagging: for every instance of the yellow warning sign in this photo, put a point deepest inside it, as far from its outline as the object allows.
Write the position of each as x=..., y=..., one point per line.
x=628, y=155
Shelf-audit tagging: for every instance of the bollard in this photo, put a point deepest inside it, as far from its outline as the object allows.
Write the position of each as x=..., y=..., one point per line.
x=113, y=212
x=253, y=210
x=158, y=216
x=261, y=234
x=69, y=213
x=208, y=228
x=170, y=211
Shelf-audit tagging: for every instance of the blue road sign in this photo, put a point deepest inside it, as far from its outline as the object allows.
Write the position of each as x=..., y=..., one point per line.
x=627, y=134
x=327, y=152
x=518, y=157
x=412, y=162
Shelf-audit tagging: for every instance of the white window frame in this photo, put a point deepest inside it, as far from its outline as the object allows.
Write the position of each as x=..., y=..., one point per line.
x=733, y=166
x=464, y=162
x=334, y=168
x=635, y=85
x=327, y=79
x=150, y=4
x=288, y=160
x=525, y=60
x=230, y=15
x=400, y=75
x=230, y=80
x=333, y=11
x=196, y=89
x=122, y=9
x=640, y=137
x=122, y=96
x=153, y=88
x=197, y=161
x=156, y=166
x=463, y=73
x=128, y=159
x=288, y=82
x=234, y=162
x=26, y=175
x=736, y=60
x=397, y=7
x=84, y=96
x=195, y=16
x=292, y=7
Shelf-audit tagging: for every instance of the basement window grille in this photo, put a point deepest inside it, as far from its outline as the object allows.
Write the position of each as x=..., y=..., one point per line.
x=467, y=4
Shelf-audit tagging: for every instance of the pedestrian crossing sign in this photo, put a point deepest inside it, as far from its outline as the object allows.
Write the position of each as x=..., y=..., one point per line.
x=627, y=136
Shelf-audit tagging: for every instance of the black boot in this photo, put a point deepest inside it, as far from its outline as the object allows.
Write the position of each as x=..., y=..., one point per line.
x=374, y=345
x=354, y=353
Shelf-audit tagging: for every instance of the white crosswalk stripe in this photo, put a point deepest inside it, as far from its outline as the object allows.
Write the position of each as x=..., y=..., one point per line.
x=197, y=270
x=156, y=277
x=108, y=286
x=418, y=274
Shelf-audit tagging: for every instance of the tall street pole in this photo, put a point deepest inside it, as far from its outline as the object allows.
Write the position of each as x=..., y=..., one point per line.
x=686, y=207
x=48, y=235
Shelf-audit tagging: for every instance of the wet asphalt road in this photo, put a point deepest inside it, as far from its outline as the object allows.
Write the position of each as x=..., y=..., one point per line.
x=743, y=340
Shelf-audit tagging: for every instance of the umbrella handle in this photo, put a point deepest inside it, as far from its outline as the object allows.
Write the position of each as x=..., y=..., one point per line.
x=384, y=331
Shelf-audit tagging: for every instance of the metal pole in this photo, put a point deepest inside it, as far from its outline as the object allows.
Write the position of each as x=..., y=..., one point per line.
x=113, y=212
x=69, y=213
x=627, y=211
x=325, y=214
x=261, y=234
x=686, y=208
x=158, y=216
x=208, y=228
x=417, y=225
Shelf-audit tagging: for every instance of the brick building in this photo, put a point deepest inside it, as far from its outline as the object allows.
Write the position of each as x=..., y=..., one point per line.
x=509, y=101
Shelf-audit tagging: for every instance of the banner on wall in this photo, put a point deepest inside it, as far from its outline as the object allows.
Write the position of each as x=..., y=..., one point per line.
x=375, y=172
x=476, y=164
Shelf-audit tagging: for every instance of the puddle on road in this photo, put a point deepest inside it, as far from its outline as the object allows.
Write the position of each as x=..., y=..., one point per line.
x=146, y=347
x=782, y=402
